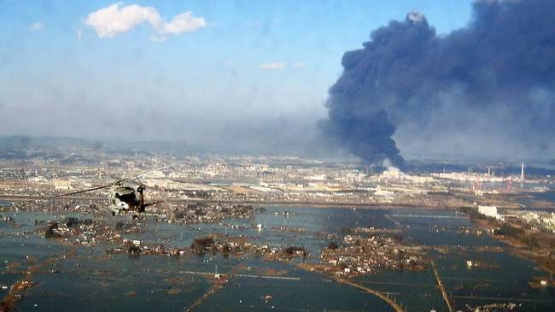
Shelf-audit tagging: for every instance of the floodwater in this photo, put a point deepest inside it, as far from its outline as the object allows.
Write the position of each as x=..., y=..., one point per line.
x=91, y=281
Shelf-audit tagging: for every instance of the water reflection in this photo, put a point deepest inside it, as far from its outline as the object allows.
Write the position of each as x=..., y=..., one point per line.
x=94, y=281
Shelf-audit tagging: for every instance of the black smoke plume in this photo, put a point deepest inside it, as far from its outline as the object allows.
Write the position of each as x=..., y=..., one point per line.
x=490, y=85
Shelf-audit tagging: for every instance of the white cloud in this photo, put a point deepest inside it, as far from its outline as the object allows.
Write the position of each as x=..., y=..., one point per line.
x=299, y=65
x=117, y=18
x=36, y=26
x=273, y=66
x=184, y=22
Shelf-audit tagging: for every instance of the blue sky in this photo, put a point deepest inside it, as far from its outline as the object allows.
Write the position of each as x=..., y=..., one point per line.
x=265, y=63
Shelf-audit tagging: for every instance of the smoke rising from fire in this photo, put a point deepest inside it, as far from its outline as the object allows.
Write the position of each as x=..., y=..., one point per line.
x=491, y=84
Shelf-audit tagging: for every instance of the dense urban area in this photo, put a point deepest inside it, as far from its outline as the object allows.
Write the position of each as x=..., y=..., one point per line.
x=263, y=179
x=190, y=190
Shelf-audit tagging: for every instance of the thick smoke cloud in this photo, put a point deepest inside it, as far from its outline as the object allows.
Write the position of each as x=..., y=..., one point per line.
x=491, y=82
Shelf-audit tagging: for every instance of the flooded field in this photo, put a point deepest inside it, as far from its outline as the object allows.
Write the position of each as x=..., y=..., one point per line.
x=87, y=278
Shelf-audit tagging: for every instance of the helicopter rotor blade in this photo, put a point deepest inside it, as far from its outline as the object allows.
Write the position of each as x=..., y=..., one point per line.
x=153, y=203
x=156, y=169
x=119, y=181
x=91, y=189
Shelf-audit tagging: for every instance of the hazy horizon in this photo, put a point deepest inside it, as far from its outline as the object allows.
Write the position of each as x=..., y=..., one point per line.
x=257, y=76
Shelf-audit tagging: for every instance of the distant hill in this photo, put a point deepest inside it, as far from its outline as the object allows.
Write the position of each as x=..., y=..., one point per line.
x=26, y=142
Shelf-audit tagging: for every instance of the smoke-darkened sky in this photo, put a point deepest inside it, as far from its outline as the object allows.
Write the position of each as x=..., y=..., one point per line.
x=483, y=89
x=466, y=78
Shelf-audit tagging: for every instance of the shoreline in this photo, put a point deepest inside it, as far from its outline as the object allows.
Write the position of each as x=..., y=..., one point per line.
x=316, y=204
x=514, y=246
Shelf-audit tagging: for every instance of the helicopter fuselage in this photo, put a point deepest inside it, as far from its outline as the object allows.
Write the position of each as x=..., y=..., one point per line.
x=125, y=198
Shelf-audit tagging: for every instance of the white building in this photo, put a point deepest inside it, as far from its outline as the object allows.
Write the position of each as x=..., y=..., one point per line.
x=62, y=185
x=489, y=211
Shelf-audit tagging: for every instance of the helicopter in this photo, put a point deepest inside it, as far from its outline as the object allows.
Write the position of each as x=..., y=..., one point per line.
x=122, y=198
